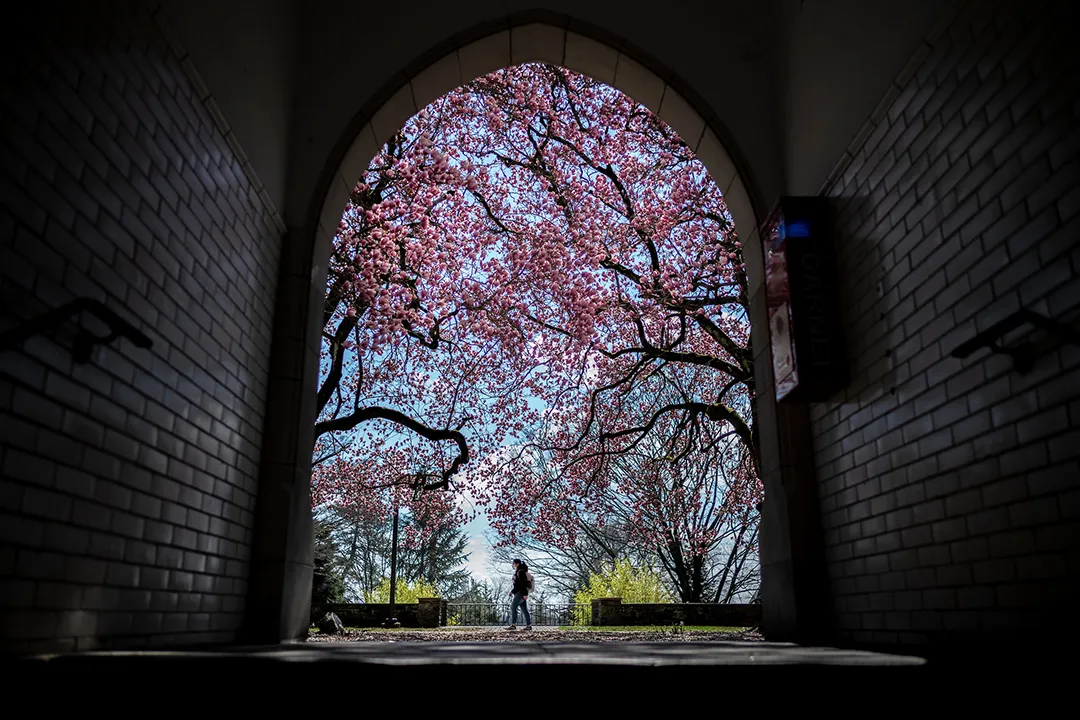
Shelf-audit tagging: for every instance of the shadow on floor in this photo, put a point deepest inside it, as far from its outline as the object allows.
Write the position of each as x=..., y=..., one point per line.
x=556, y=676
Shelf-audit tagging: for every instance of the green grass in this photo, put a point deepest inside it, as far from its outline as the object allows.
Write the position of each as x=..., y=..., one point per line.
x=651, y=628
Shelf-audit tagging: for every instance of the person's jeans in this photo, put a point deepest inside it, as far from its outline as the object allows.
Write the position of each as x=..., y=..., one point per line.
x=519, y=601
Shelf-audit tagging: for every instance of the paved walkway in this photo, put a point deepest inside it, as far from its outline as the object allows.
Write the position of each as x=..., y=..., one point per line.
x=539, y=634
x=753, y=675
x=518, y=653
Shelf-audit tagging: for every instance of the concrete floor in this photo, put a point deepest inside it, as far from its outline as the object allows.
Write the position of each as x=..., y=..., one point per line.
x=397, y=654
x=751, y=675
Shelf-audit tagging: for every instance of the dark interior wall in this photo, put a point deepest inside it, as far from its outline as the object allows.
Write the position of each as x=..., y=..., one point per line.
x=839, y=56
x=951, y=488
x=245, y=53
x=126, y=500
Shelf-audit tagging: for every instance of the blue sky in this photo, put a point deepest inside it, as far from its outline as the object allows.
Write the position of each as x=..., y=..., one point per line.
x=478, y=529
x=478, y=547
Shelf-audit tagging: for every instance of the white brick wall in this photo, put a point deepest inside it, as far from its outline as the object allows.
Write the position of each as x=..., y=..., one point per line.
x=950, y=489
x=129, y=482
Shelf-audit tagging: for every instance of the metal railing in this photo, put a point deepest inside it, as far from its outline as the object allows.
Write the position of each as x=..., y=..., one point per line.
x=488, y=614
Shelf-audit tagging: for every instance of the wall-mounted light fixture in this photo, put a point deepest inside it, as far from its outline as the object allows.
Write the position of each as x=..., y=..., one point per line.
x=85, y=340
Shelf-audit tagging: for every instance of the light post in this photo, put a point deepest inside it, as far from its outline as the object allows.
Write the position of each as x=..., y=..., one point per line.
x=392, y=621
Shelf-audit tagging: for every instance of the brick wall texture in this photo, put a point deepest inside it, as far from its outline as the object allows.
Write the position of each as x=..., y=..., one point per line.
x=950, y=488
x=126, y=502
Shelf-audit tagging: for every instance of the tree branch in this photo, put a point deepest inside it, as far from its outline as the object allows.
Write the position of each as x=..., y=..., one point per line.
x=348, y=422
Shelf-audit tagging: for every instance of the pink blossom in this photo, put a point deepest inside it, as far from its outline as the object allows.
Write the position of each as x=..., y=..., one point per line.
x=535, y=283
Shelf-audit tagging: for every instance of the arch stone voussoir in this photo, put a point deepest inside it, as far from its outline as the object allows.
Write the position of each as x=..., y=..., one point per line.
x=392, y=116
x=537, y=42
x=755, y=262
x=358, y=156
x=592, y=58
x=639, y=82
x=716, y=159
x=676, y=112
x=438, y=79
x=336, y=197
x=742, y=212
x=483, y=56
x=759, y=311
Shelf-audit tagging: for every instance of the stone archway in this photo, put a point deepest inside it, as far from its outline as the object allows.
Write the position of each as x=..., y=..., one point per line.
x=281, y=570
x=551, y=43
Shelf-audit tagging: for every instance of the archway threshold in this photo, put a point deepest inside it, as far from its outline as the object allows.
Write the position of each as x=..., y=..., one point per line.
x=754, y=675
x=516, y=653
x=738, y=676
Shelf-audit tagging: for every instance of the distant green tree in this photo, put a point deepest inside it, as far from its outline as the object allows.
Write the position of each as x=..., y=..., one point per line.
x=436, y=556
x=327, y=585
x=478, y=592
x=363, y=544
x=623, y=580
x=407, y=592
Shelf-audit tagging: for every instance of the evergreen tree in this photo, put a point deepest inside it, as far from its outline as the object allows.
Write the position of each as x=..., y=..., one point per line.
x=327, y=585
x=439, y=560
x=432, y=556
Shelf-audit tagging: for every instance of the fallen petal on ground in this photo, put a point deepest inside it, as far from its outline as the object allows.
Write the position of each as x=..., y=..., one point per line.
x=544, y=635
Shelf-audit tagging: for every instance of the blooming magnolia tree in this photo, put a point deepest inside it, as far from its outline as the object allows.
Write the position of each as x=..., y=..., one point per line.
x=539, y=273
x=696, y=515
x=692, y=515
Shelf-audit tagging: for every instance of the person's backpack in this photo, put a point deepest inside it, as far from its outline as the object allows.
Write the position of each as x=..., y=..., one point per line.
x=529, y=575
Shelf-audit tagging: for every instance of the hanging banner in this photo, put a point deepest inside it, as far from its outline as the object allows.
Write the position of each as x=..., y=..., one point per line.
x=809, y=357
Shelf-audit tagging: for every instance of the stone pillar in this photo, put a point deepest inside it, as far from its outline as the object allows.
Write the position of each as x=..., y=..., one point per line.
x=430, y=612
x=282, y=557
x=607, y=611
x=795, y=593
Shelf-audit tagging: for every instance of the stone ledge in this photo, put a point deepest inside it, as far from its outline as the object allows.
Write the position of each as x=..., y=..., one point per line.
x=612, y=611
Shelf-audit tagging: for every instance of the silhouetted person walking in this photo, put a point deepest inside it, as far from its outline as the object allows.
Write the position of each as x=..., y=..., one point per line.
x=523, y=584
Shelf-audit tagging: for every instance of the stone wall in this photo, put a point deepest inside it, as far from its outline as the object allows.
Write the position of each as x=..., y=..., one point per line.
x=425, y=613
x=127, y=494
x=950, y=488
x=612, y=611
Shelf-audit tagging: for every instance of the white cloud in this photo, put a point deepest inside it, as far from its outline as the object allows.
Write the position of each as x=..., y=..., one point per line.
x=478, y=558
